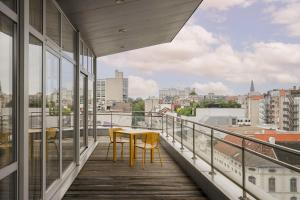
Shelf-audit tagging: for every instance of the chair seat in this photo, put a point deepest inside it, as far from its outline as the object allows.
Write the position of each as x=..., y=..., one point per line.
x=142, y=145
x=122, y=140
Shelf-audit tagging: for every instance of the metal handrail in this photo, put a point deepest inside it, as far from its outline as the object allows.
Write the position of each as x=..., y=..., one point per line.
x=174, y=121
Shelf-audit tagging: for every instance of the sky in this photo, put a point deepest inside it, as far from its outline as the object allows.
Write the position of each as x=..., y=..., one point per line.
x=223, y=46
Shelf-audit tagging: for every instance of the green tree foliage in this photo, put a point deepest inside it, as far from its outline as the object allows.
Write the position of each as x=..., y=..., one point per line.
x=188, y=111
x=218, y=104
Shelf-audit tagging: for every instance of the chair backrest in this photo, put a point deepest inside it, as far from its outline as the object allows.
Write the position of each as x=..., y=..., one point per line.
x=51, y=133
x=4, y=138
x=111, y=133
x=151, y=138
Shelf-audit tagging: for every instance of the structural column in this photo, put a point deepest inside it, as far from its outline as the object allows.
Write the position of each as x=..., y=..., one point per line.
x=23, y=100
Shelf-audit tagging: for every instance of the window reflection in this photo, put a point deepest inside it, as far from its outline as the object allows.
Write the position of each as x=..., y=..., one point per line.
x=53, y=22
x=6, y=91
x=36, y=14
x=90, y=110
x=35, y=117
x=82, y=94
x=67, y=100
x=10, y=3
x=52, y=118
x=68, y=38
x=7, y=187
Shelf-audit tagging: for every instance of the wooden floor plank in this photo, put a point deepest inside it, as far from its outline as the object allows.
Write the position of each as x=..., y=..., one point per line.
x=103, y=179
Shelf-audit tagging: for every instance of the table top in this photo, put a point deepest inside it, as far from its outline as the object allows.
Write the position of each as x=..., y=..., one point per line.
x=135, y=131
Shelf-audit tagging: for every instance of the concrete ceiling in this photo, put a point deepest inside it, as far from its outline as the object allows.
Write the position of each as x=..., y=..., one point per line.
x=113, y=26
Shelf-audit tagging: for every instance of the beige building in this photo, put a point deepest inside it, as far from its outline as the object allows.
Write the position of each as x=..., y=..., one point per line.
x=111, y=91
x=151, y=104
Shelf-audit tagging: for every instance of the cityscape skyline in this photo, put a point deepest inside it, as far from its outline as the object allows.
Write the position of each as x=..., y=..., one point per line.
x=218, y=52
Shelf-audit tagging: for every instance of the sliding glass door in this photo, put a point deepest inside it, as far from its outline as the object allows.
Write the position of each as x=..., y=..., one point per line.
x=83, y=111
x=52, y=118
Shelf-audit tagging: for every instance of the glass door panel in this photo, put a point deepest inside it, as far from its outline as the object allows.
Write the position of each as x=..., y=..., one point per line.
x=52, y=119
x=83, y=111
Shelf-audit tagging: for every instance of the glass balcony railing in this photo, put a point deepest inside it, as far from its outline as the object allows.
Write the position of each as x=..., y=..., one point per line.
x=260, y=170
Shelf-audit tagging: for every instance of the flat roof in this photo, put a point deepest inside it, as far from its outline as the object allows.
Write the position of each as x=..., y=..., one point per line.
x=113, y=26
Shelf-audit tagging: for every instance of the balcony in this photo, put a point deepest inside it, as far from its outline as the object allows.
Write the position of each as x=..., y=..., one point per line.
x=102, y=179
x=215, y=164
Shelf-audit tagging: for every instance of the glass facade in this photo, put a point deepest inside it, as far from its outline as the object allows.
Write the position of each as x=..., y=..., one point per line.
x=35, y=116
x=49, y=100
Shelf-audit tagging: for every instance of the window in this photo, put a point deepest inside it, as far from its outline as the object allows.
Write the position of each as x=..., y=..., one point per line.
x=7, y=187
x=67, y=100
x=53, y=22
x=7, y=135
x=81, y=53
x=272, y=184
x=90, y=110
x=293, y=185
x=35, y=109
x=52, y=119
x=68, y=38
x=12, y=4
x=85, y=58
x=252, y=179
x=36, y=14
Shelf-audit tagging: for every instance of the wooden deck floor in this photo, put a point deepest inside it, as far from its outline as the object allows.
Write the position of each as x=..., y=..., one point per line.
x=105, y=180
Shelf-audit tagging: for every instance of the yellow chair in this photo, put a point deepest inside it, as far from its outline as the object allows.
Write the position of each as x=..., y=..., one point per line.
x=51, y=134
x=4, y=140
x=119, y=140
x=149, y=141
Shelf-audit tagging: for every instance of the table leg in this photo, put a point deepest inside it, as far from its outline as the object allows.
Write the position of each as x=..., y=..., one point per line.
x=114, y=147
x=134, y=147
x=152, y=155
x=131, y=160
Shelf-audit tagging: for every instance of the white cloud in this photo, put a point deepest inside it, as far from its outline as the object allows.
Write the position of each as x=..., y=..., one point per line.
x=140, y=87
x=216, y=87
x=196, y=51
x=289, y=16
x=225, y=4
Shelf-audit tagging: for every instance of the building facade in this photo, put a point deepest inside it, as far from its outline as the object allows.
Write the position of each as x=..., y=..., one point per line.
x=112, y=90
x=291, y=112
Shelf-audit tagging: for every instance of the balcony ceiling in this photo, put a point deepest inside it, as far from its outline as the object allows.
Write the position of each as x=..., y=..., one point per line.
x=113, y=26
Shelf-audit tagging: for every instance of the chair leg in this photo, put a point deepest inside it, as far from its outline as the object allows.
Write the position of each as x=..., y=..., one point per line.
x=159, y=157
x=107, y=151
x=144, y=158
x=122, y=151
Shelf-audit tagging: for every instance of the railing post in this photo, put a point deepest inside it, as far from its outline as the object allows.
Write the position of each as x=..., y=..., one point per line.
x=194, y=154
x=162, y=123
x=173, y=130
x=167, y=126
x=111, y=125
x=244, y=197
x=150, y=120
x=212, y=172
x=181, y=133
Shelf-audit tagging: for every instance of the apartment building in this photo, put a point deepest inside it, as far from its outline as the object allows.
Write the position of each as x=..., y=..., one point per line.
x=175, y=92
x=111, y=91
x=291, y=112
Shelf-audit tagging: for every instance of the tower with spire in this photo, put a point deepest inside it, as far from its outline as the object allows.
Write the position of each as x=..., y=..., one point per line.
x=252, y=89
